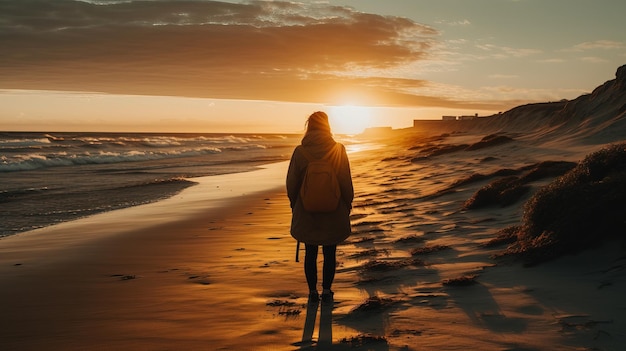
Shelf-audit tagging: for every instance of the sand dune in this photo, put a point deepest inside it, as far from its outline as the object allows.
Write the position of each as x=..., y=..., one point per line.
x=594, y=118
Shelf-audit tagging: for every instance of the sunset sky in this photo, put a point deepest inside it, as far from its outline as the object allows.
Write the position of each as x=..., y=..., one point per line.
x=263, y=66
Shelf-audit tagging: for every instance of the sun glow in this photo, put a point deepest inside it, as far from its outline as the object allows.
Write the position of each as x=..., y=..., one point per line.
x=350, y=119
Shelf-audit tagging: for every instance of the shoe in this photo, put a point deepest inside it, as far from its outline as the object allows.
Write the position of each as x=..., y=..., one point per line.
x=327, y=296
x=314, y=297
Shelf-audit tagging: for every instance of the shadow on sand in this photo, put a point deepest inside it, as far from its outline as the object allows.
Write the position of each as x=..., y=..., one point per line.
x=324, y=340
x=325, y=330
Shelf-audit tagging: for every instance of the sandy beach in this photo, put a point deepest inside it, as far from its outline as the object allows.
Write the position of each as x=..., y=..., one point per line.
x=213, y=268
x=431, y=263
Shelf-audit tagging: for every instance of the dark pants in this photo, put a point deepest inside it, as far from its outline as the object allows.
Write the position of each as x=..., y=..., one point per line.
x=310, y=265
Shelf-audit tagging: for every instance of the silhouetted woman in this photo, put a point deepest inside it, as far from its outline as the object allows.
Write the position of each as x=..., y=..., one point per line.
x=320, y=228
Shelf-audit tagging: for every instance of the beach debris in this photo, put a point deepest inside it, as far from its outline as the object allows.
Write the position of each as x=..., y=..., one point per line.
x=369, y=223
x=364, y=340
x=410, y=239
x=280, y=303
x=369, y=253
x=429, y=249
x=361, y=240
x=289, y=312
x=398, y=332
x=286, y=308
x=465, y=280
x=387, y=265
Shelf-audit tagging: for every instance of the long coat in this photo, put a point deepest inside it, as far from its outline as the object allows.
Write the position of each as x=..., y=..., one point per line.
x=328, y=228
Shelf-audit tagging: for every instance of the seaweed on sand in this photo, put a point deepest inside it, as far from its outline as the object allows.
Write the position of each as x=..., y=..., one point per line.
x=383, y=266
x=465, y=280
x=410, y=239
x=369, y=253
x=429, y=249
x=362, y=340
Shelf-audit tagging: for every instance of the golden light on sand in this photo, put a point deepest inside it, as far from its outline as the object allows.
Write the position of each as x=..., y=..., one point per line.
x=350, y=119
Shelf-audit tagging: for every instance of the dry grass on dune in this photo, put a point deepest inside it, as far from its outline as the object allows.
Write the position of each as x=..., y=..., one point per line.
x=578, y=210
x=434, y=147
x=582, y=207
x=510, y=188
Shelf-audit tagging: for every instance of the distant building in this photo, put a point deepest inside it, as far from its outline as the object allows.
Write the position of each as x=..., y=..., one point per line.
x=459, y=118
x=468, y=117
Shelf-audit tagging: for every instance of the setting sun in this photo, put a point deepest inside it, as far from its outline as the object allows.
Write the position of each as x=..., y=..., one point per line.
x=350, y=119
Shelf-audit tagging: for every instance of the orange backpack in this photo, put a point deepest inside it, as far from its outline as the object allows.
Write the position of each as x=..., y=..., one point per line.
x=320, y=190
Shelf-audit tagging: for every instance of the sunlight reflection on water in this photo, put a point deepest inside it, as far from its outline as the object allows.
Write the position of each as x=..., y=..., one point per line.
x=353, y=148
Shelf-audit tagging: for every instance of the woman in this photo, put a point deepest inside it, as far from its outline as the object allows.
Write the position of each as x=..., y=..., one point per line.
x=320, y=228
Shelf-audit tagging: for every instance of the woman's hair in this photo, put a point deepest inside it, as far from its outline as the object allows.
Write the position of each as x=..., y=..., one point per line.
x=318, y=121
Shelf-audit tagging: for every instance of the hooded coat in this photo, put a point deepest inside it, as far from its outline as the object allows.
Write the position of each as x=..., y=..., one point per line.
x=328, y=228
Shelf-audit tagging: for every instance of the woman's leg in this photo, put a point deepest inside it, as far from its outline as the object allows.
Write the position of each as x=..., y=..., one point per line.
x=310, y=266
x=330, y=265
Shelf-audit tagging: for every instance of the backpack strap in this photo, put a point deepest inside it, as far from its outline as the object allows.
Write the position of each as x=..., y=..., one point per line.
x=307, y=154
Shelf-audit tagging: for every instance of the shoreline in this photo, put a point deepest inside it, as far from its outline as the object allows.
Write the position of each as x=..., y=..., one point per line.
x=209, y=193
x=75, y=175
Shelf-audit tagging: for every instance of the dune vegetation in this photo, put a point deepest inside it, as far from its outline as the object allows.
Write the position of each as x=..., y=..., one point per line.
x=581, y=209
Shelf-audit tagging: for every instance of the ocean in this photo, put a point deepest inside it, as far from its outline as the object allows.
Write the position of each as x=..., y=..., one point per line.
x=48, y=178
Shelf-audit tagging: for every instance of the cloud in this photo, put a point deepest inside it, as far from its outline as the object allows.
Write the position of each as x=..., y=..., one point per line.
x=593, y=59
x=259, y=50
x=551, y=60
x=503, y=76
x=501, y=52
x=598, y=44
x=463, y=22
